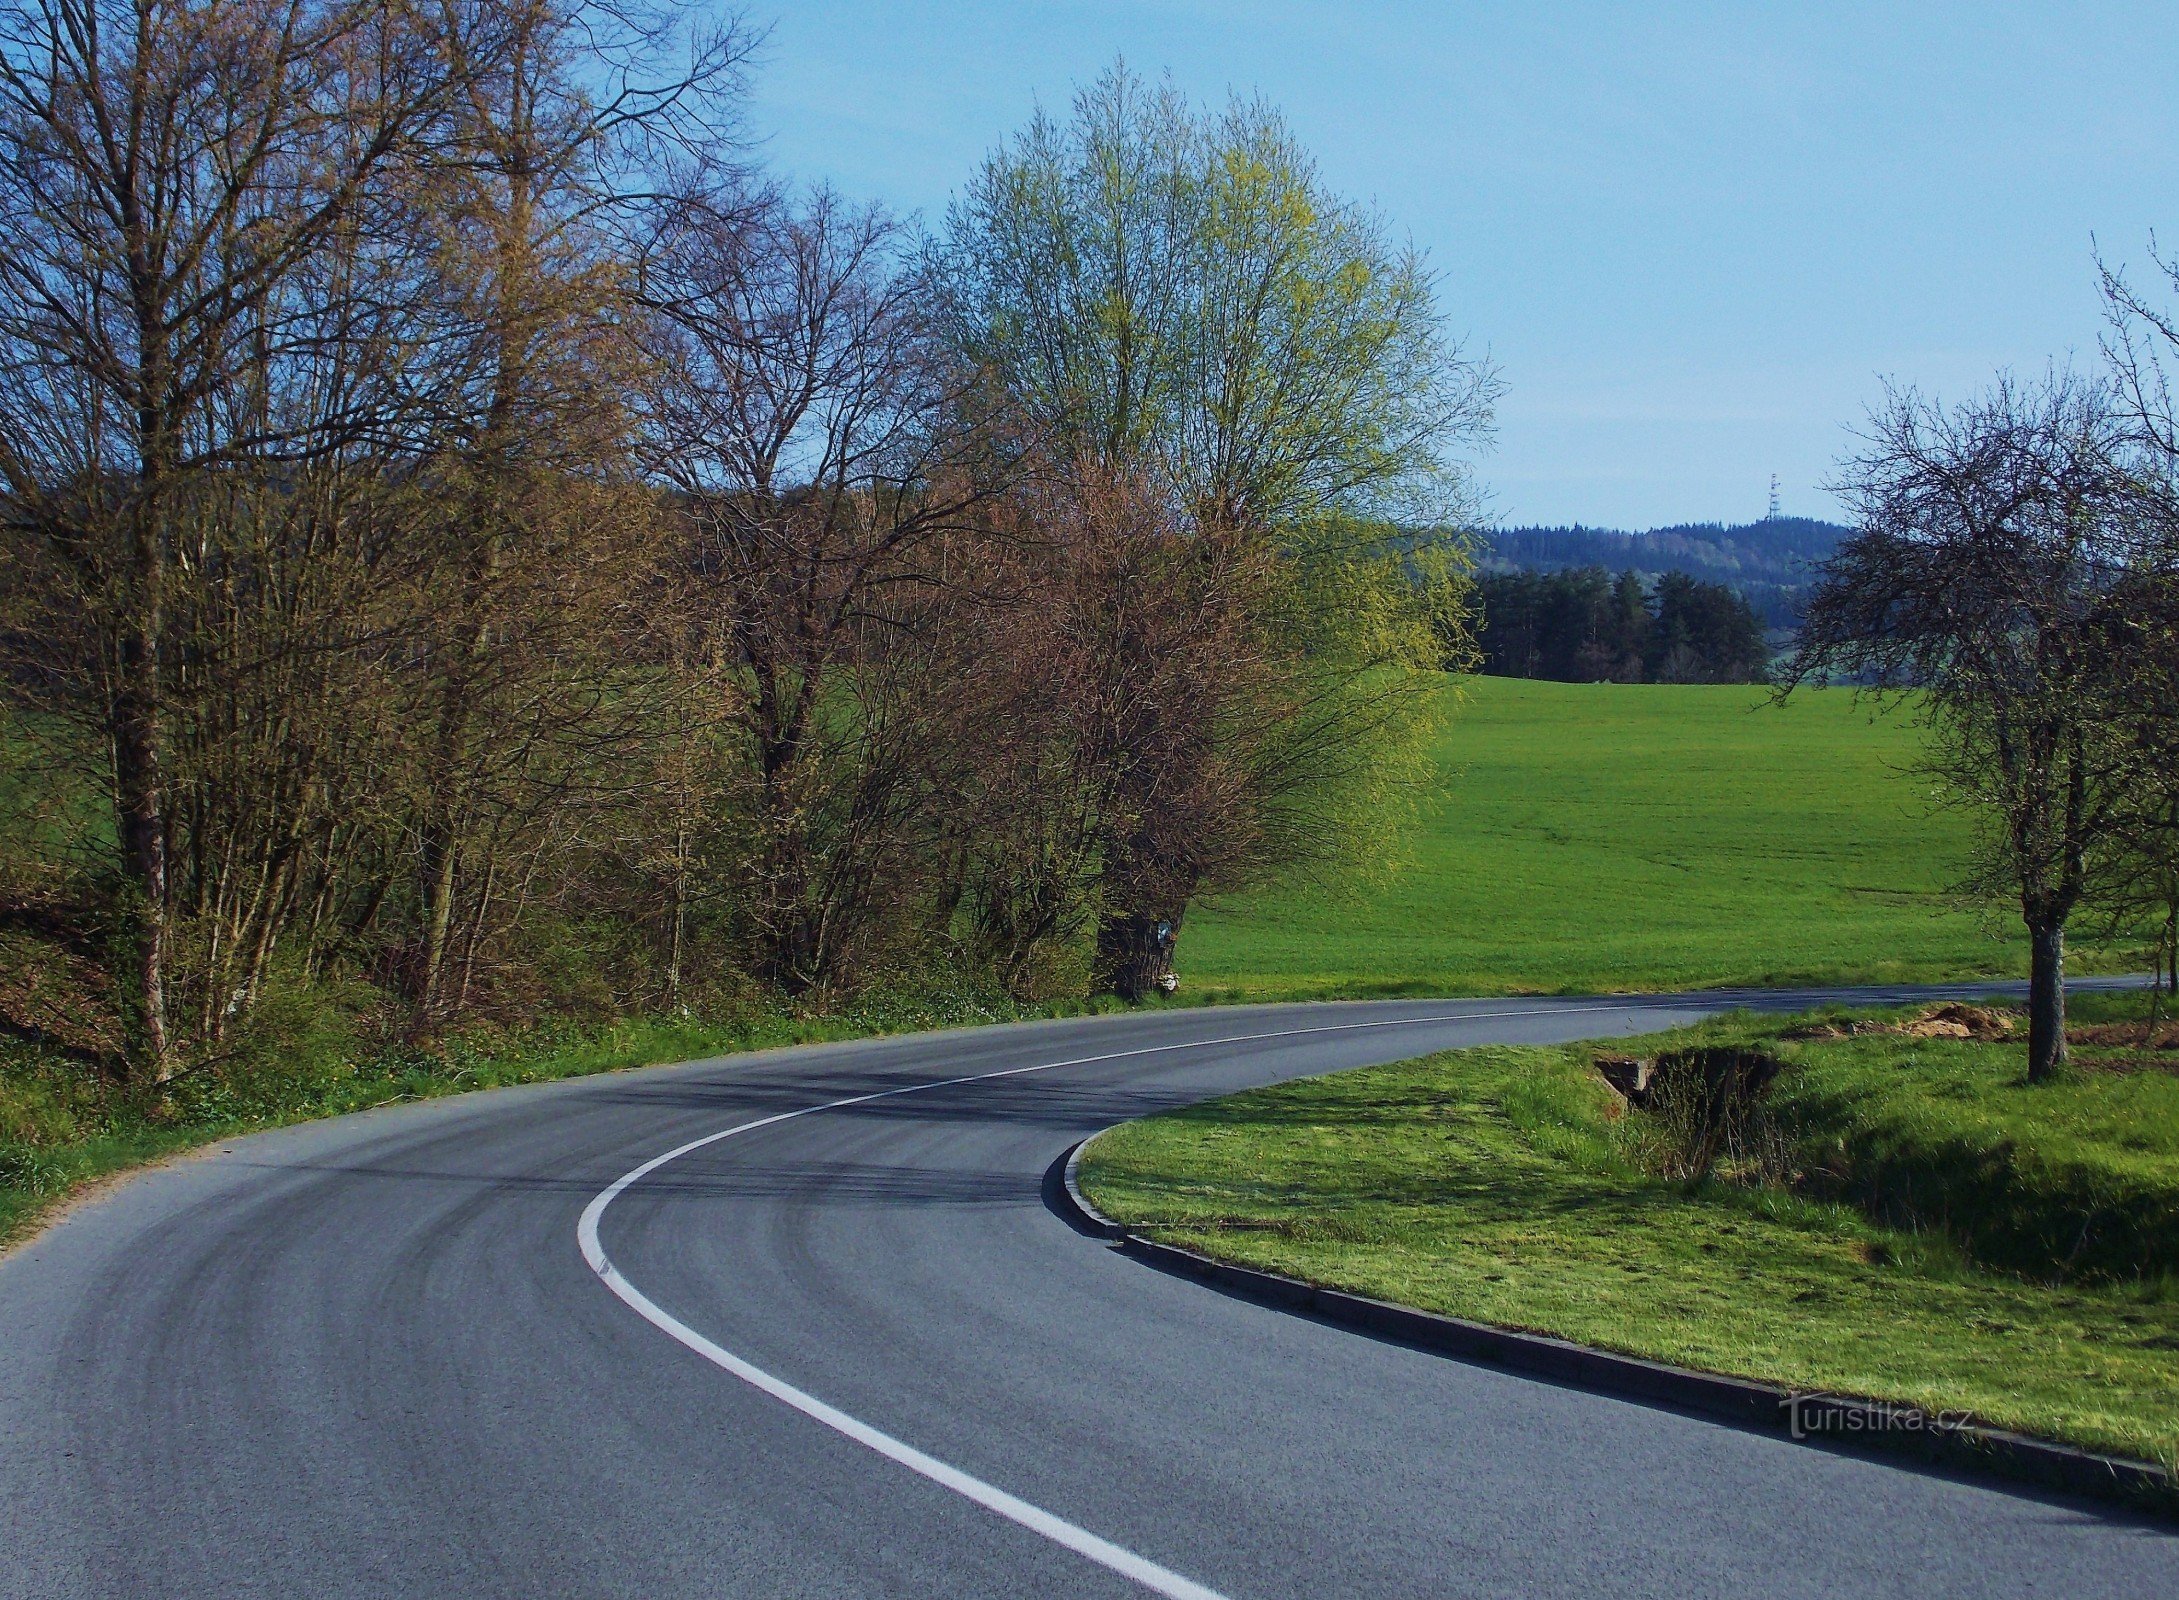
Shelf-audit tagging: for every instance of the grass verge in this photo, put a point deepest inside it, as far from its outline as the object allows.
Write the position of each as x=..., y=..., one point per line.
x=61, y=1132
x=1915, y=1235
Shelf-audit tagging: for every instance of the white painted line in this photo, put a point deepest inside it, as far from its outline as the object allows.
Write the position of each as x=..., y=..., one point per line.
x=1157, y=1579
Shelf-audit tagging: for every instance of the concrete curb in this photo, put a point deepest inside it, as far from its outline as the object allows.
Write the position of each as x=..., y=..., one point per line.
x=1087, y=1217
x=1825, y=1419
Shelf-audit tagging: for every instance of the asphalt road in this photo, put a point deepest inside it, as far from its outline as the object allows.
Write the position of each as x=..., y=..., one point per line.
x=850, y=1352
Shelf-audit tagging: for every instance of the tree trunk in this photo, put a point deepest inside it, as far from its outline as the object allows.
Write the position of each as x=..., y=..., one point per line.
x=679, y=909
x=143, y=836
x=438, y=894
x=2171, y=951
x=139, y=737
x=2046, y=1000
x=443, y=823
x=1134, y=950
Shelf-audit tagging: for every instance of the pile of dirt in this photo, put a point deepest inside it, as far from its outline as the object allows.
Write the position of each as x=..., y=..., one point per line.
x=2127, y=1046
x=1952, y=1020
x=1955, y=1021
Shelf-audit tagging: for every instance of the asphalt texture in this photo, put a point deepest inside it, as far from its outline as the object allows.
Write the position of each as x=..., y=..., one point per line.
x=368, y=1357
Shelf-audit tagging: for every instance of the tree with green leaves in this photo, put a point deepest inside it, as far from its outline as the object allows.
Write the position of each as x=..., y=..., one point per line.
x=1176, y=299
x=1182, y=292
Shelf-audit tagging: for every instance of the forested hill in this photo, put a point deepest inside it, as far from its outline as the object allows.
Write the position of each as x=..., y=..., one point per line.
x=1768, y=562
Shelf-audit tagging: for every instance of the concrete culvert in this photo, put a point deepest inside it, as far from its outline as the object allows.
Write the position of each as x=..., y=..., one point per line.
x=1700, y=1104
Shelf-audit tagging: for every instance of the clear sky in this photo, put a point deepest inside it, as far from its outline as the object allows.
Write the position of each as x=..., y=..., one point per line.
x=1695, y=238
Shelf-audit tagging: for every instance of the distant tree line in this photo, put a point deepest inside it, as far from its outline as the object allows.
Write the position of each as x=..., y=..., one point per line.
x=1584, y=625
x=476, y=544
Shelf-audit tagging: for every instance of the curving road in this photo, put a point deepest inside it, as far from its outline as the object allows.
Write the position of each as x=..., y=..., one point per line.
x=446, y=1349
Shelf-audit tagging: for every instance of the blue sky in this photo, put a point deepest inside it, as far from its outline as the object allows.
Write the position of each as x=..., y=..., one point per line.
x=1694, y=238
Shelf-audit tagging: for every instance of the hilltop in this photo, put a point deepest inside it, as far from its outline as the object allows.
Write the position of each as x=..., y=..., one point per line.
x=1770, y=562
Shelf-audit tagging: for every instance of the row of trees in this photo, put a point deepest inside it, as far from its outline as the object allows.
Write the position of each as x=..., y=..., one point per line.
x=2014, y=578
x=1585, y=626
x=470, y=531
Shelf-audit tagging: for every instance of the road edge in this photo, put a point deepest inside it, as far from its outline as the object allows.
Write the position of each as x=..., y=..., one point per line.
x=1889, y=1429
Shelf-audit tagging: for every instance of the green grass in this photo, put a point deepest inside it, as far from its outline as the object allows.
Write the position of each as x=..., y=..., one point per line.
x=1498, y=1184
x=1592, y=837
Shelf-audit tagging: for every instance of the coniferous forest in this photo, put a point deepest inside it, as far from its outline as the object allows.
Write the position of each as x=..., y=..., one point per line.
x=1587, y=626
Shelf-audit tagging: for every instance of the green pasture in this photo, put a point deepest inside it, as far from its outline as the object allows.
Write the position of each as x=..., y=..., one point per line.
x=1583, y=837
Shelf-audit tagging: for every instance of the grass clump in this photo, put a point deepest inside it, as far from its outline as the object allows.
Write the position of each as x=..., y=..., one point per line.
x=2075, y=1180
x=1510, y=1185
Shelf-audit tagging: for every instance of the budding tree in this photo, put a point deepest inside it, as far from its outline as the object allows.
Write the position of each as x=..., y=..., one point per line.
x=171, y=171
x=825, y=454
x=1177, y=301
x=1987, y=583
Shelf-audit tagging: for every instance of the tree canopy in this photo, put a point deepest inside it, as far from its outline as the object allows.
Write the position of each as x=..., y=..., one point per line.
x=1182, y=291
x=1181, y=311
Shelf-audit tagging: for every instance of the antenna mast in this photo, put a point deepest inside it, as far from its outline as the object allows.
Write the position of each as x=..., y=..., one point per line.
x=1772, y=515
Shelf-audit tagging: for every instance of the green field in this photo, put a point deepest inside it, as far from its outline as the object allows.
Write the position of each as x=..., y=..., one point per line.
x=1610, y=836
x=1929, y=1228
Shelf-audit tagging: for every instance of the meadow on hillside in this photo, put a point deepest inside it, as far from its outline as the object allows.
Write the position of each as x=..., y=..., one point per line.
x=1611, y=836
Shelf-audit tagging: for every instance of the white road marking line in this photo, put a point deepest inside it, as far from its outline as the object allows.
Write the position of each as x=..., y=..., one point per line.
x=1157, y=1579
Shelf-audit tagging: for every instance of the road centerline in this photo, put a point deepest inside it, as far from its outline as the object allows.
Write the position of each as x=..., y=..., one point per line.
x=1116, y=1558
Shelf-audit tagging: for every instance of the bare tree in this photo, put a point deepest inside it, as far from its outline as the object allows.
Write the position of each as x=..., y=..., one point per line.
x=1987, y=584
x=824, y=450
x=2140, y=342
x=587, y=123
x=167, y=168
